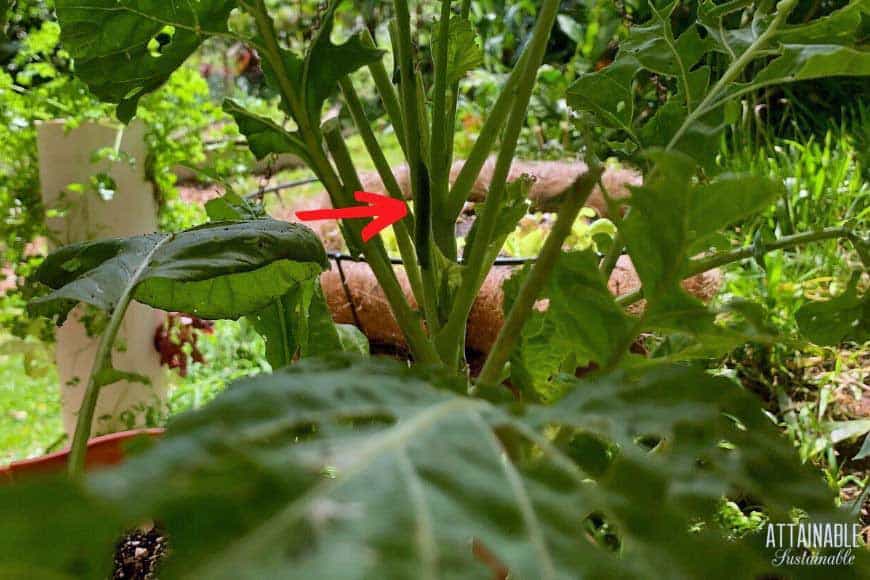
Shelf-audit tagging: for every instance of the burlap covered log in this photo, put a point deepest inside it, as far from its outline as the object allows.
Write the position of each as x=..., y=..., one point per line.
x=552, y=179
x=359, y=300
x=355, y=297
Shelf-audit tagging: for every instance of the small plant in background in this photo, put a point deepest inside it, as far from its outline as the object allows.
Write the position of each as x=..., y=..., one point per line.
x=422, y=469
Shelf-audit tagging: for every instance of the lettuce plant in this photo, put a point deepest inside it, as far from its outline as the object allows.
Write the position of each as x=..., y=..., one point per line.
x=342, y=466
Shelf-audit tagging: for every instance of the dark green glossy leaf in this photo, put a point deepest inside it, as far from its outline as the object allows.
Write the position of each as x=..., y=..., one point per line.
x=327, y=63
x=264, y=136
x=845, y=317
x=125, y=49
x=220, y=270
x=803, y=62
x=841, y=26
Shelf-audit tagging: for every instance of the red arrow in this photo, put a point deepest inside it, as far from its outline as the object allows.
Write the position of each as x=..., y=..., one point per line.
x=386, y=211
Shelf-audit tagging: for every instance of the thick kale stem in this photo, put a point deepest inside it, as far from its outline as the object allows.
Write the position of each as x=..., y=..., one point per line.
x=416, y=164
x=440, y=153
x=537, y=278
x=476, y=264
x=376, y=256
x=485, y=141
x=403, y=236
x=387, y=93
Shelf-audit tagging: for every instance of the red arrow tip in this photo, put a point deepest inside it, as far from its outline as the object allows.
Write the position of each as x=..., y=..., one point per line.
x=387, y=211
x=384, y=209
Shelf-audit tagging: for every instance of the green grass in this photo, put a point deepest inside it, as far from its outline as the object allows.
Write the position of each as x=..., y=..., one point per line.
x=29, y=400
x=826, y=188
x=803, y=385
x=234, y=350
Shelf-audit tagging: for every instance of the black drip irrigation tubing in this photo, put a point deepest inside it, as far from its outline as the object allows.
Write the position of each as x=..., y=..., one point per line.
x=281, y=187
x=339, y=257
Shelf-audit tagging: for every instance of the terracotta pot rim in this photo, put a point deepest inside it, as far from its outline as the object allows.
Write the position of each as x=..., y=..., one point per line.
x=43, y=462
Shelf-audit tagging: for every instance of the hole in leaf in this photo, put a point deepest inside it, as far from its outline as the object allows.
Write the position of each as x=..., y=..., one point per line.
x=157, y=45
x=602, y=532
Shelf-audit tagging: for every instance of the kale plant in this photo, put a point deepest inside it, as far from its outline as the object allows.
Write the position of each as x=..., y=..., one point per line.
x=343, y=466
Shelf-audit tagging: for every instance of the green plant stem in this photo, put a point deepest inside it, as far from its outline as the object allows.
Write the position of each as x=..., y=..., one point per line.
x=418, y=342
x=613, y=254
x=102, y=362
x=783, y=9
x=403, y=236
x=387, y=93
x=453, y=331
x=482, y=147
x=410, y=115
x=700, y=265
x=273, y=54
x=416, y=165
x=421, y=347
x=615, y=215
x=537, y=278
x=444, y=220
x=439, y=153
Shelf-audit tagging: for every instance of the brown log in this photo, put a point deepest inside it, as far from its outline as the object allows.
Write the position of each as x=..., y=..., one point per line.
x=354, y=296
x=358, y=299
x=551, y=180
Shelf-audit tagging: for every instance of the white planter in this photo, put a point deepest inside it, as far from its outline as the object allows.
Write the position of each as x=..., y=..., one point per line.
x=65, y=157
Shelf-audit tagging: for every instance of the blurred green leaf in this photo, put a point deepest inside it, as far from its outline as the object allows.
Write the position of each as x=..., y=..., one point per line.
x=845, y=317
x=577, y=318
x=401, y=474
x=56, y=530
